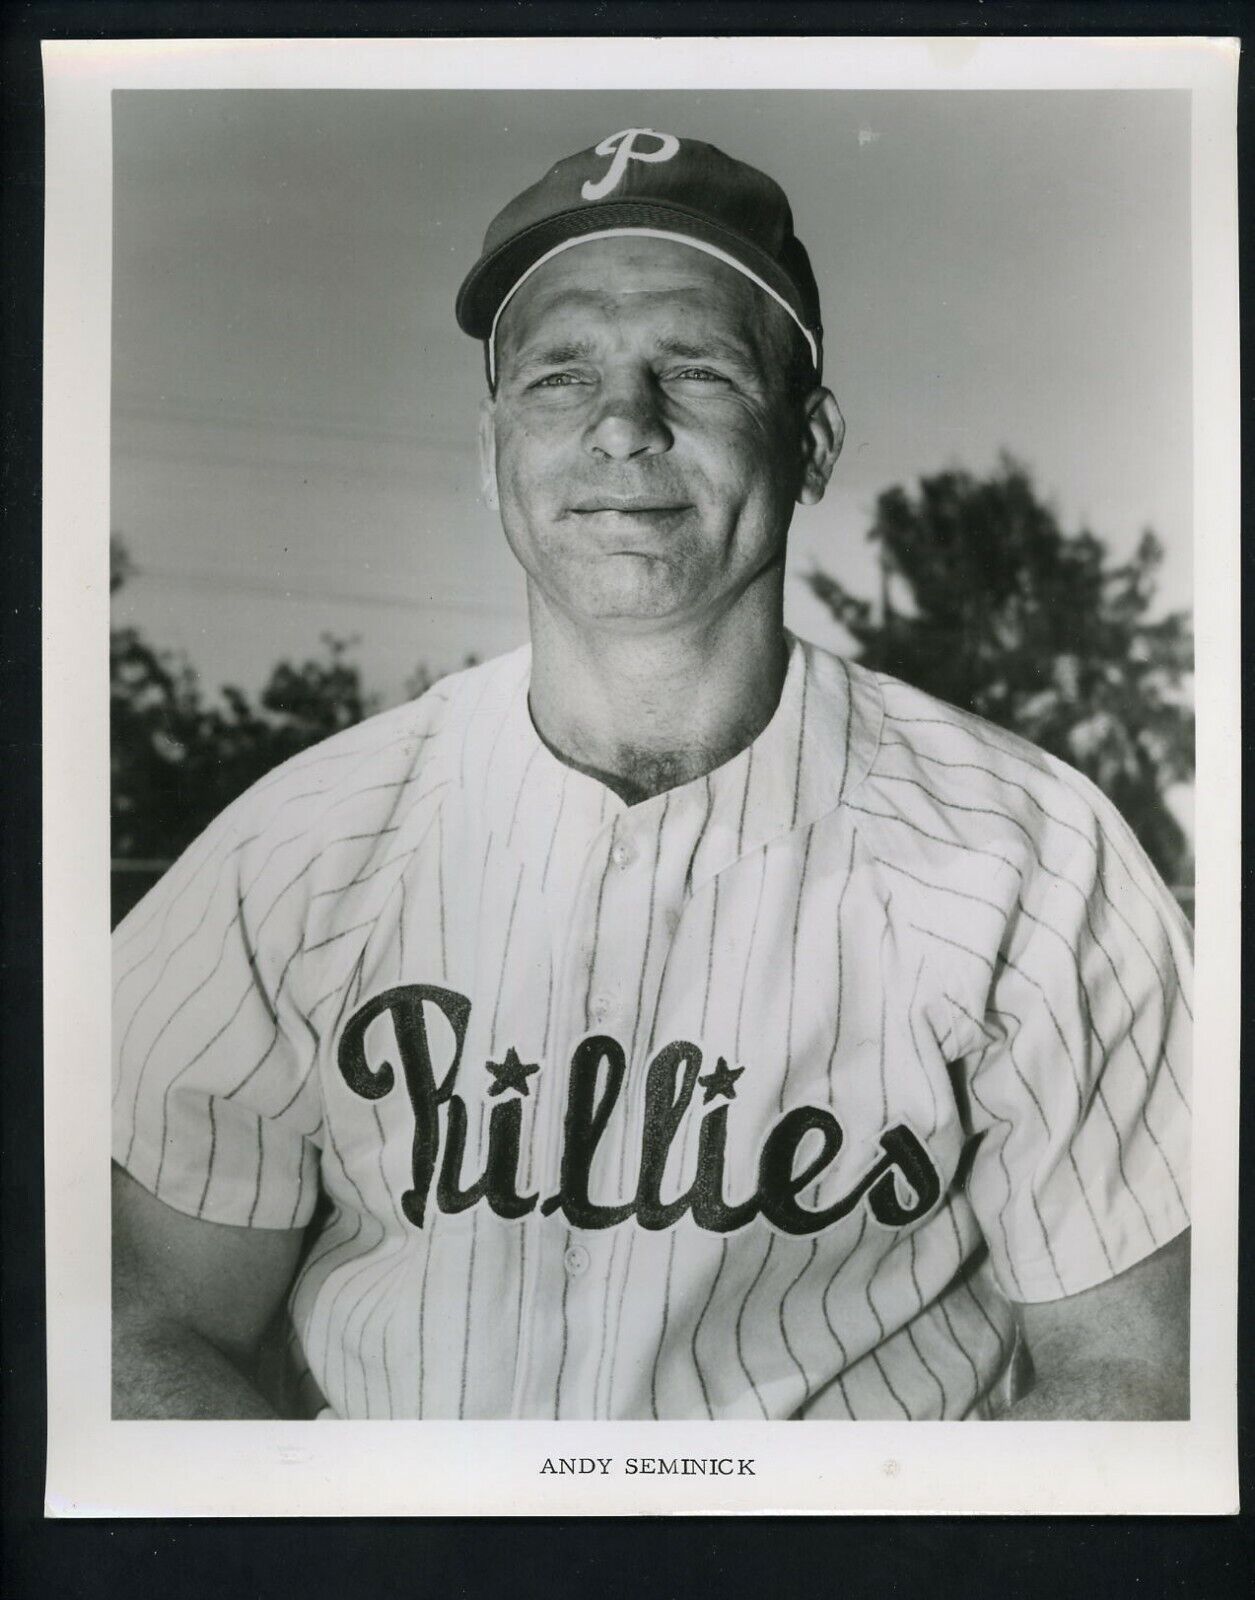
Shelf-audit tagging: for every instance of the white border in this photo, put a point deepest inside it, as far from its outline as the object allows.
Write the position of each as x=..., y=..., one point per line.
x=96, y=1466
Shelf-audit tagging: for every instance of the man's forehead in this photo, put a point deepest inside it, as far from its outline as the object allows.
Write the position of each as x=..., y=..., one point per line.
x=654, y=280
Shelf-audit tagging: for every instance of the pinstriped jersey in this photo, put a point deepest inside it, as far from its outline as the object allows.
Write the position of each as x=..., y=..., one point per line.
x=766, y=1097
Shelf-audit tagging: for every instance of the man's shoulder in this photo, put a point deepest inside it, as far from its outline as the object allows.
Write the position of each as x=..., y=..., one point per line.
x=974, y=776
x=360, y=766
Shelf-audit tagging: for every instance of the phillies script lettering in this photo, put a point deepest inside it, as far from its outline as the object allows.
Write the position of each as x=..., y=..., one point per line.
x=597, y=1072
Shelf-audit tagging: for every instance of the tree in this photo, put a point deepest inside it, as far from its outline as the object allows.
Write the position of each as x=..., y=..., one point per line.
x=987, y=603
x=178, y=758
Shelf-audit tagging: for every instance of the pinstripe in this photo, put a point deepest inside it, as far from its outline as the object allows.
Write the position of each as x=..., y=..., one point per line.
x=1002, y=1226
x=213, y=1147
x=697, y=1327
x=376, y=1267
x=924, y=1072
x=939, y=888
x=881, y=1026
x=740, y=1349
x=592, y=960
x=901, y=1404
x=362, y=1261
x=354, y=974
x=1002, y=1160
x=431, y=1228
x=937, y=838
x=749, y=951
x=469, y=727
x=801, y=745
x=514, y=815
x=553, y=837
x=275, y=1027
x=343, y=933
x=849, y=717
x=261, y=1161
x=366, y=877
x=962, y=1349
x=614, y=1349
x=836, y=1029
x=401, y=921
x=662, y=1336
x=784, y=1332
x=701, y=834
x=823, y=1299
x=745, y=799
x=300, y=1178
x=566, y=1284
x=913, y=1246
x=444, y=952
x=383, y=1291
x=165, y=1099
x=954, y=944
x=470, y=1284
x=923, y=1361
x=710, y=951
x=505, y=956
x=793, y=947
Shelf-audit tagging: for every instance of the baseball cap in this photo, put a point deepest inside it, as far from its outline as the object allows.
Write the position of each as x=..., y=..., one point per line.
x=640, y=181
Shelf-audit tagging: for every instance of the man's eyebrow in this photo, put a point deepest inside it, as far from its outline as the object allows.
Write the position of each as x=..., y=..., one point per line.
x=707, y=346
x=552, y=354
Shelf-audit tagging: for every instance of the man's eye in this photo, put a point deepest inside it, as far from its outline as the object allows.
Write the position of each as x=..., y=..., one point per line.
x=698, y=375
x=556, y=380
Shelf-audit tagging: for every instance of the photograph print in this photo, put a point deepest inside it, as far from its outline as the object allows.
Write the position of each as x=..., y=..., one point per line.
x=652, y=755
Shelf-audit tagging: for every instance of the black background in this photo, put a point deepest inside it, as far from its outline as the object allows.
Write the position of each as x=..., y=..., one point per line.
x=380, y=1558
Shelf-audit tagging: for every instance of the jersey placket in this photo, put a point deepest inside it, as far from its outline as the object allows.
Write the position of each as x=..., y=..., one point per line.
x=536, y=1381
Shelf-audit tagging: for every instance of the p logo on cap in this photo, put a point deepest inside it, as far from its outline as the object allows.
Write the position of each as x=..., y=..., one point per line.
x=639, y=181
x=622, y=146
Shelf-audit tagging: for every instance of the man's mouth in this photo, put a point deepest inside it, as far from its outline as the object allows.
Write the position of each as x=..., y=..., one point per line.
x=628, y=507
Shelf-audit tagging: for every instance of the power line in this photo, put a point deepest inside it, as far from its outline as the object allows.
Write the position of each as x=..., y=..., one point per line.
x=172, y=577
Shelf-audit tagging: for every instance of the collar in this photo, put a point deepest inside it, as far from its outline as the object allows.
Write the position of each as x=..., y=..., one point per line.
x=816, y=749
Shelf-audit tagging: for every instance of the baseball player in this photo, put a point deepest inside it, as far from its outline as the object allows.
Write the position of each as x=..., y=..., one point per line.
x=668, y=1019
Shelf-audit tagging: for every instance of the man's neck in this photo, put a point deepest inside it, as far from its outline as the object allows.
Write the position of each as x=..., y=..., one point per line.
x=647, y=711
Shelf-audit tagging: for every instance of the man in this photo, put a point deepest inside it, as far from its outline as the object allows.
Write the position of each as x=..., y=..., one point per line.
x=669, y=1019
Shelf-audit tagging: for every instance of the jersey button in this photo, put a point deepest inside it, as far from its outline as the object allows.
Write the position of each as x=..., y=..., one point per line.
x=621, y=855
x=576, y=1260
x=601, y=1007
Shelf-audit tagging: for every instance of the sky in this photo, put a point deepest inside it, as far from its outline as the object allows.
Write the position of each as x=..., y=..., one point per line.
x=294, y=407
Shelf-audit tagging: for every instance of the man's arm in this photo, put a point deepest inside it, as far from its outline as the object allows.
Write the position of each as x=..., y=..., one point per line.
x=1119, y=1352
x=191, y=1300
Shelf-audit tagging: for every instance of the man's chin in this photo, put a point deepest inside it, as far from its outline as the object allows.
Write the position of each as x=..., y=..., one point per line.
x=629, y=608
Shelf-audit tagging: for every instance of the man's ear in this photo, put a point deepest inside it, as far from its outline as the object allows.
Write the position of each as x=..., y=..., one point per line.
x=488, y=452
x=823, y=432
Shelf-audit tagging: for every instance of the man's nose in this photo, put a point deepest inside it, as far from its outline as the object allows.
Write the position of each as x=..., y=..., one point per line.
x=628, y=420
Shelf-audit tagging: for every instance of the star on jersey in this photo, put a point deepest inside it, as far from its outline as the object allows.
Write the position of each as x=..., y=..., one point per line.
x=511, y=1073
x=721, y=1081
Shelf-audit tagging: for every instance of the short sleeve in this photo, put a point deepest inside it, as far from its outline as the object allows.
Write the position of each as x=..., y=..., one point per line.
x=1078, y=1085
x=215, y=1097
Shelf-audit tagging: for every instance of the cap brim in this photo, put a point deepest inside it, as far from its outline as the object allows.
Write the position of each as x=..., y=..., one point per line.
x=493, y=276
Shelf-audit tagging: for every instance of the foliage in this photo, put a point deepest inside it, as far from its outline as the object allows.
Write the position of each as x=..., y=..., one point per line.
x=1036, y=629
x=180, y=757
